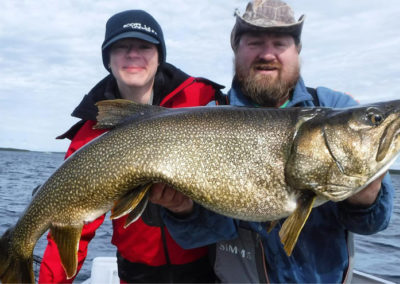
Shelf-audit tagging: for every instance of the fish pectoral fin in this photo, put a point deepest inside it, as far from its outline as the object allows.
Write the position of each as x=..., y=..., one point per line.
x=137, y=211
x=112, y=113
x=293, y=225
x=67, y=240
x=129, y=202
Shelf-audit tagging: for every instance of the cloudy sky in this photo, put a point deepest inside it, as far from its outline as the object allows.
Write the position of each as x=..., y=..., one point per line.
x=50, y=53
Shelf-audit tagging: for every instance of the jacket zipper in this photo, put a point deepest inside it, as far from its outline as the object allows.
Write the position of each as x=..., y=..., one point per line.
x=264, y=262
x=166, y=254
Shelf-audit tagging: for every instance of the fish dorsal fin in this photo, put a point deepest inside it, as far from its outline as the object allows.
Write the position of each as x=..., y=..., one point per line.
x=129, y=202
x=112, y=113
x=67, y=240
x=293, y=225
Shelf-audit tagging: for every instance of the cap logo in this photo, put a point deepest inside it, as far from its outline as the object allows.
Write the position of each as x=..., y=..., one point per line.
x=138, y=26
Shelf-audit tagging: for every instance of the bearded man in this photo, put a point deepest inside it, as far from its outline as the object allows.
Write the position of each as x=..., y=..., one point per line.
x=267, y=67
x=266, y=41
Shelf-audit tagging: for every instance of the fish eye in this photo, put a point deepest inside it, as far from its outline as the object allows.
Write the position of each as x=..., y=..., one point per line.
x=375, y=118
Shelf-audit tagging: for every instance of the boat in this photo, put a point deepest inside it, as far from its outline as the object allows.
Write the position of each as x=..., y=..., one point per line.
x=365, y=278
x=105, y=271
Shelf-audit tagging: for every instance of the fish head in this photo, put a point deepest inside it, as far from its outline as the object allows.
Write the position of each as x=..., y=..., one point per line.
x=349, y=149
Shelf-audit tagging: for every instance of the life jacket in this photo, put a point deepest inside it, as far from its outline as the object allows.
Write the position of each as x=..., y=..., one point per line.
x=146, y=250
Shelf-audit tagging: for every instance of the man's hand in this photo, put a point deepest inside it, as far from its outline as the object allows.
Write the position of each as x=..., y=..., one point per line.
x=368, y=195
x=173, y=200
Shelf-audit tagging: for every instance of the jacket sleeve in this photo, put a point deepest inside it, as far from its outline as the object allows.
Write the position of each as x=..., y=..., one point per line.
x=51, y=270
x=202, y=227
x=361, y=220
x=369, y=220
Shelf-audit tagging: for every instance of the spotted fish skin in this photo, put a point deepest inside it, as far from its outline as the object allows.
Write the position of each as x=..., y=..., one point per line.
x=247, y=163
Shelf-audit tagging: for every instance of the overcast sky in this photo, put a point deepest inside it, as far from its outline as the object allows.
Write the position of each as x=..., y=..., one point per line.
x=50, y=53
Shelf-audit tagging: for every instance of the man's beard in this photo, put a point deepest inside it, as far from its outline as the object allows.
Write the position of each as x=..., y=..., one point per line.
x=266, y=90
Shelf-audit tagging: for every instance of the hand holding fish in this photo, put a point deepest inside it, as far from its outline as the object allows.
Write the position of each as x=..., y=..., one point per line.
x=368, y=195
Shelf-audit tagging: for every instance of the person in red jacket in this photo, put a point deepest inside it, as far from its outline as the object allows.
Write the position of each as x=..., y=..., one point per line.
x=134, y=53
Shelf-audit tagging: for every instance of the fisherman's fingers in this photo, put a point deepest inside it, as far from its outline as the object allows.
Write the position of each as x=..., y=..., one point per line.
x=156, y=192
x=171, y=199
x=183, y=207
x=367, y=196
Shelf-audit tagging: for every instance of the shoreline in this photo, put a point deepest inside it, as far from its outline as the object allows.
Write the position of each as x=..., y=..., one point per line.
x=25, y=150
x=391, y=171
x=13, y=149
x=394, y=171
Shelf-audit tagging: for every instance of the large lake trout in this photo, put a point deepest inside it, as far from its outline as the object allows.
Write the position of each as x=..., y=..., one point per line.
x=254, y=164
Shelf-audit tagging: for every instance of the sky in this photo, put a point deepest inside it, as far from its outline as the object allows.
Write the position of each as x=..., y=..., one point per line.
x=50, y=54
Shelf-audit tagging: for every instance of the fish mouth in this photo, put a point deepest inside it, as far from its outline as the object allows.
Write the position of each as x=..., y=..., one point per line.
x=336, y=192
x=391, y=133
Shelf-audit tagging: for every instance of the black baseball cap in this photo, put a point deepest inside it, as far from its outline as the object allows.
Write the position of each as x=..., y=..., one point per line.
x=133, y=24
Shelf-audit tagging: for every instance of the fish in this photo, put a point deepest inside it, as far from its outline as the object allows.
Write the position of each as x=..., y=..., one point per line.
x=255, y=164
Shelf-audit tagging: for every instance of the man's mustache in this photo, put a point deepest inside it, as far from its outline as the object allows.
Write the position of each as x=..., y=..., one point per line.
x=265, y=65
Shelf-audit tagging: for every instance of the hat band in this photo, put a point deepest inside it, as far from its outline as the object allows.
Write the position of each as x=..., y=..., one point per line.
x=131, y=34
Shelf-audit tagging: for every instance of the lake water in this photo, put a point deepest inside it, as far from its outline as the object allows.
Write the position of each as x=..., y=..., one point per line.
x=20, y=172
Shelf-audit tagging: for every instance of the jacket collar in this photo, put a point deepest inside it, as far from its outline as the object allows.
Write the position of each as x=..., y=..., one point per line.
x=106, y=89
x=168, y=78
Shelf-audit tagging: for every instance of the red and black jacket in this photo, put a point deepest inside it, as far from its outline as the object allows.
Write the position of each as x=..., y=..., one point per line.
x=145, y=250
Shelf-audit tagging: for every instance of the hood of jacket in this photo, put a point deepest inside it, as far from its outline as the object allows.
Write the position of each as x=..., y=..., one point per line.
x=168, y=78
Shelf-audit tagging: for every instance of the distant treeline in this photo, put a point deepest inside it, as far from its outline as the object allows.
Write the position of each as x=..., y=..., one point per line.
x=13, y=149
x=394, y=171
x=24, y=150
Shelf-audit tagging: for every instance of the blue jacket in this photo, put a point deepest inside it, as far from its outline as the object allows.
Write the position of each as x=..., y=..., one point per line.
x=321, y=253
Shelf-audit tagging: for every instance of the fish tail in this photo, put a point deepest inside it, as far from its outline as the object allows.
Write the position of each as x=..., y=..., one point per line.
x=14, y=269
